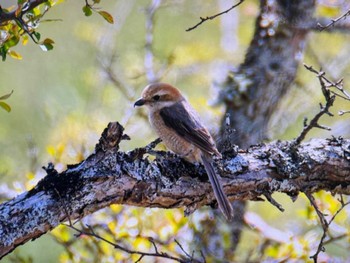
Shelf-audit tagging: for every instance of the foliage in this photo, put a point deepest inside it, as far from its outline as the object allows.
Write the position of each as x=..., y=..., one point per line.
x=3, y=104
x=20, y=22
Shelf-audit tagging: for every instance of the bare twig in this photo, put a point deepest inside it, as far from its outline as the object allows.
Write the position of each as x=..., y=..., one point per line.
x=182, y=249
x=273, y=202
x=330, y=84
x=128, y=91
x=342, y=112
x=329, y=95
x=107, y=68
x=333, y=21
x=324, y=223
x=332, y=239
x=90, y=232
x=204, y=19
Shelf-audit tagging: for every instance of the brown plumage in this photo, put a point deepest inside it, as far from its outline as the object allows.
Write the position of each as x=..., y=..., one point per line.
x=178, y=125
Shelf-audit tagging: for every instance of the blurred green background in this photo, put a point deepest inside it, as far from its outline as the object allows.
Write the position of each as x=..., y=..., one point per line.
x=64, y=98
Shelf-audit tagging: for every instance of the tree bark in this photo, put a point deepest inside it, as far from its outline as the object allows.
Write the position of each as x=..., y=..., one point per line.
x=253, y=91
x=110, y=176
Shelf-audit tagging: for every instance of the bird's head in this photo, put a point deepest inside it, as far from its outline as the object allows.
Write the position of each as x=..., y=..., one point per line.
x=159, y=95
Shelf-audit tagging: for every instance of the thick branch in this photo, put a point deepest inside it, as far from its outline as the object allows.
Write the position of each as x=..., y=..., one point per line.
x=110, y=176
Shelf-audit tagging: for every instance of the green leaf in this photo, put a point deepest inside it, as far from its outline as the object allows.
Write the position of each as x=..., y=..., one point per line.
x=3, y=53
x=87, y=10
x=13, y=41
x=6, y=96
x=37, y=35
x=107, y=16
x=5, y=106
x=96, y=1
x=47, y=44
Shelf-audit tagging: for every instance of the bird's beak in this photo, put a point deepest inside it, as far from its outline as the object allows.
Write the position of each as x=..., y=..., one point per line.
x=139, y=102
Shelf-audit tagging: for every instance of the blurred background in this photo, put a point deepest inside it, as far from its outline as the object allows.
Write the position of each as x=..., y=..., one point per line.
x=64, y=98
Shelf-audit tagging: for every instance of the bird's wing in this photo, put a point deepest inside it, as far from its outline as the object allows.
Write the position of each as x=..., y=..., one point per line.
x=188, y=127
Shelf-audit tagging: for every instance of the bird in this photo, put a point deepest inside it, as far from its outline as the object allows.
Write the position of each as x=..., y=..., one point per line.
x=178, y=125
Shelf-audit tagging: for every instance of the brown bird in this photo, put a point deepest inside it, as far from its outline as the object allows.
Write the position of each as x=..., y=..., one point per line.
x=178, y=125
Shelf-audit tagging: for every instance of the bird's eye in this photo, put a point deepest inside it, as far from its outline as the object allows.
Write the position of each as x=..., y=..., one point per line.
x=156, y=97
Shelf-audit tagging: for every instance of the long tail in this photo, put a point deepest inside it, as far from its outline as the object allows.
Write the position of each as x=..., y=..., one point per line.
x=224, y=203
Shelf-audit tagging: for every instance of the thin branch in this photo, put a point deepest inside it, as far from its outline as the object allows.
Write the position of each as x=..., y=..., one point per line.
x=329, y=95
x=333, y=21
x=332, y=239
x=107, y=68
x=329, y=84
x=91, y=232
x=274, y=202
x=204, y=19
x=157, y=253
x=342, y=112
x=324, y=223
x=182, y=249
x=128, y=91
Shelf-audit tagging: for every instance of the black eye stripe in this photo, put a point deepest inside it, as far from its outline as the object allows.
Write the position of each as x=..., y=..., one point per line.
x=156, y=97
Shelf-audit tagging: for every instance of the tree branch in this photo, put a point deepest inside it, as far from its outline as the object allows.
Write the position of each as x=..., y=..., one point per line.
x=89, y=231
x=334, y=21
x=324, y=223
x=13, y=15
x=110, y=176
x=204, y=19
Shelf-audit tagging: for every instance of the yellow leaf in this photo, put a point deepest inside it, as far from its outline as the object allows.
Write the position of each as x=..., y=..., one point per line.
x=14, y=54
x=51, y=150
x=328, y=11
x=5, y=106
x=107, y=16
x=62, y=233
x=116, y=208
x=112, y=226
x=30, y=176
x=141, y=243
x=60, y=149
x=24, y=40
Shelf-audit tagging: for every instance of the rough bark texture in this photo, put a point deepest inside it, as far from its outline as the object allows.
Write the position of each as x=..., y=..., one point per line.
x=111, y=176
x=253, y=91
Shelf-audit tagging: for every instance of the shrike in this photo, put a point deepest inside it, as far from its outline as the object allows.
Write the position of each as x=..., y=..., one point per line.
x=178, y=125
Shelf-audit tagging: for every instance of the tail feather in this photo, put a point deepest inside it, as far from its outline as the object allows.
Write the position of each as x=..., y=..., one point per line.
x=224, y=203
